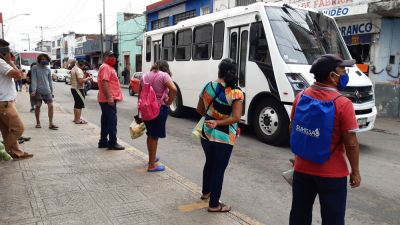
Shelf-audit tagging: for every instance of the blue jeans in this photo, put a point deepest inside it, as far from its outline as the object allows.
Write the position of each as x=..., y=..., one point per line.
x=217, y=159
x=108, y=134
x=332, y=194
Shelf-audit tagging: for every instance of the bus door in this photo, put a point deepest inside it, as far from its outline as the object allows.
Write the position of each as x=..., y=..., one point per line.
x=238, y=48
x=157, y=50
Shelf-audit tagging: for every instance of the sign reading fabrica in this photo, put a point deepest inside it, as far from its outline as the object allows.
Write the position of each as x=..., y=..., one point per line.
x=335, y=8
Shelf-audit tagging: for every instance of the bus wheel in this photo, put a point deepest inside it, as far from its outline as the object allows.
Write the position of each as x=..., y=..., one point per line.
x=271, y=123
x=176, y=109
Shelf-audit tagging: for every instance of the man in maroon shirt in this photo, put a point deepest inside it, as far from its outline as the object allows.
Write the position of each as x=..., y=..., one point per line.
x=328, y=179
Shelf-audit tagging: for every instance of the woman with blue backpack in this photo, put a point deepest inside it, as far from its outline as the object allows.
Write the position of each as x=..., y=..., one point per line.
x=157, y=92
x=220, y=104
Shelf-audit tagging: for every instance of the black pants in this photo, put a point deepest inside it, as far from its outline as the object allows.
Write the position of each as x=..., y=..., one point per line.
x=217, y=159
x=332, y=194
x=108, y=135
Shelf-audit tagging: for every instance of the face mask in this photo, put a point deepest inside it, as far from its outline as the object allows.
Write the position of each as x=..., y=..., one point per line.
x=111, y=61
x=44, y=63
x=343, y=81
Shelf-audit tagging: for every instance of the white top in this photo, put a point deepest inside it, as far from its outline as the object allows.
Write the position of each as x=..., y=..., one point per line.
x=7, y=86
x=76, y=74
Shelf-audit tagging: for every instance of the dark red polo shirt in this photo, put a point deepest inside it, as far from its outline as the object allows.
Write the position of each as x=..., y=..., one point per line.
x=345, y=121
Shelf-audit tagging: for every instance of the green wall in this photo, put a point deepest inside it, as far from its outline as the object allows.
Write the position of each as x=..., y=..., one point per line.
x=129, y=31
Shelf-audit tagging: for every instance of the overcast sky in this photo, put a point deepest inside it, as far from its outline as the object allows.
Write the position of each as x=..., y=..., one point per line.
x=61, y=16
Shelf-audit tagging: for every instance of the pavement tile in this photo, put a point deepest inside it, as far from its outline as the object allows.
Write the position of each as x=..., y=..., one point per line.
x=71, y=181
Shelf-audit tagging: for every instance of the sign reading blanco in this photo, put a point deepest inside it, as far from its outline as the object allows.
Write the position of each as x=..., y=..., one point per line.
x=355, y=28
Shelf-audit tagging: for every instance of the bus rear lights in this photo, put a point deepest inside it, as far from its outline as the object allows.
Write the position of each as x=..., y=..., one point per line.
x=297, y=82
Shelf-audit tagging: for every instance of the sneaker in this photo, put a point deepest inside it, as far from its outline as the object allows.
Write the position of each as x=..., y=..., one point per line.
x=4, y=155
x=116, y=147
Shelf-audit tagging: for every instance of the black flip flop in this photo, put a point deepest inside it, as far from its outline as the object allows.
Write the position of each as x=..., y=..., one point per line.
x=221, y=210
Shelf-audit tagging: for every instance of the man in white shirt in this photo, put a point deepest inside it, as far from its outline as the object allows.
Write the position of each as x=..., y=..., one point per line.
x=11, y=125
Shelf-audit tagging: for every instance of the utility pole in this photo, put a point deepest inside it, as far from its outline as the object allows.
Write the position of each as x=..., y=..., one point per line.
x=41, y=32
x=101, y=36
x=104, y=24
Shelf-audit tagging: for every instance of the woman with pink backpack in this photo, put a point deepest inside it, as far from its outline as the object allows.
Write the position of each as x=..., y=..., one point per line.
x=157, y=92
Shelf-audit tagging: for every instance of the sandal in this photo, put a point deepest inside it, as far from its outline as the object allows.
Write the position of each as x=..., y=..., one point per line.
x=158, y=168
x=222, y=208
x=53, y=127
x=24, y=156
x=38, y=126
x=81, y=122
x=205, y=196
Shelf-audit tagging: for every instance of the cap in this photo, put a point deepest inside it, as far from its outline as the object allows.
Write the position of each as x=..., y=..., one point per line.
x=109, y=53
x=329, y=62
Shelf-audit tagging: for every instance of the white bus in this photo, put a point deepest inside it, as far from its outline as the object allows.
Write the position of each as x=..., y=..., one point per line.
x=274, y=46
x=23, y=60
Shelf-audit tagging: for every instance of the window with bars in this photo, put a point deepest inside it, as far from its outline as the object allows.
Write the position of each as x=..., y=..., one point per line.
x=168, y=45
x=202, y=42
x=183, y=45
x=160, y=23
x=218, y=46
x=184, y=16
x=244, y=2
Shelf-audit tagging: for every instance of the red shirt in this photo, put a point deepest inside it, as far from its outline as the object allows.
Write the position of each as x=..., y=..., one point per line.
x=107, y=72
x=345, y=121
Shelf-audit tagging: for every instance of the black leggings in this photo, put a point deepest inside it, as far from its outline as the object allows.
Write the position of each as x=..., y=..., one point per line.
x=217, y=159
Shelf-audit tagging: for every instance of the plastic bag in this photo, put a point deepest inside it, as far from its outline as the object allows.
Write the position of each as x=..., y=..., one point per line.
x=197, y=131
x=288, y=176
x=136, y=129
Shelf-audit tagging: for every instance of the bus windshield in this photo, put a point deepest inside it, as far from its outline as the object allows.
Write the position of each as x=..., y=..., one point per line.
x=28, y=58
x=302, y=36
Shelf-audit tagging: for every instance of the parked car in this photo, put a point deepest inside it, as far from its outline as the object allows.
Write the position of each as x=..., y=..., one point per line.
x=93, y=81
x=59, y=74
x=135, y=83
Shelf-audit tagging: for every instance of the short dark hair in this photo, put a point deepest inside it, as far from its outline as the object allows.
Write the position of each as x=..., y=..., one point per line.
x=4, y=43
x=43, y=55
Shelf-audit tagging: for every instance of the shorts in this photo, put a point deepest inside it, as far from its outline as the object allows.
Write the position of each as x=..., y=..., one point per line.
x=47, y=98
x=79, y=97
x=156, y=127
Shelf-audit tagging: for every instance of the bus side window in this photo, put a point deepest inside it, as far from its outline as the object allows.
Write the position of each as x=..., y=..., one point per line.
x=218, y=45
x=148, y=49
x=168, y=46
x=183, y=45
x=202, y=42
x=259, y=51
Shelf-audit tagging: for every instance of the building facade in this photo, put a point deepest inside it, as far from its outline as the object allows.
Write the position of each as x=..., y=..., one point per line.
x=371, y=30
x=130, y=29
x=169, y=12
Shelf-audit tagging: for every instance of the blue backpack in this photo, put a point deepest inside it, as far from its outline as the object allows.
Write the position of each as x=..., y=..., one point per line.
x=312, y=128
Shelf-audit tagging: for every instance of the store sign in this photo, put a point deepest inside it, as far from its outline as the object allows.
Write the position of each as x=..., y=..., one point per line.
x=334, y=8
x=361, y=27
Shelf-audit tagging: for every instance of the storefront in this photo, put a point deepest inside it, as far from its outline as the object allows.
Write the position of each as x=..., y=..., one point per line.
x=371, y=30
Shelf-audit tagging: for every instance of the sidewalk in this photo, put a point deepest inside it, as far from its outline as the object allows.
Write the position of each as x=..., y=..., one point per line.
x=70, y=181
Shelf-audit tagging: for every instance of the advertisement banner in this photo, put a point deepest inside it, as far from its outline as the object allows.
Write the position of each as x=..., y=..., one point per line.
x=335, y=8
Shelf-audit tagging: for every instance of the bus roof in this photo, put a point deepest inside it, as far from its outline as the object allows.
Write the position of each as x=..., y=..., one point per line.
x=236, y=11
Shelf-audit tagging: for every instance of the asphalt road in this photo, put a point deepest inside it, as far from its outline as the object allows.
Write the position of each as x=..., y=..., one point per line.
x=253, y=183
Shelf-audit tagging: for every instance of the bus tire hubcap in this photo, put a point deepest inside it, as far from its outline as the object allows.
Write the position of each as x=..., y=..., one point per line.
x=268, y=121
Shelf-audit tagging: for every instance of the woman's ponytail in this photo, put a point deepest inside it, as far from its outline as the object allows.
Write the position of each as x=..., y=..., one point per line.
x=228, y=72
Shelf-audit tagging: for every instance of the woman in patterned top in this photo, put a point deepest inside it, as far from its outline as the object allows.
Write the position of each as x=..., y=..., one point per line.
x=221, y=104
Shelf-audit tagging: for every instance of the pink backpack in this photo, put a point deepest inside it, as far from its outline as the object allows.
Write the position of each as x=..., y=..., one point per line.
x=148, y=105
